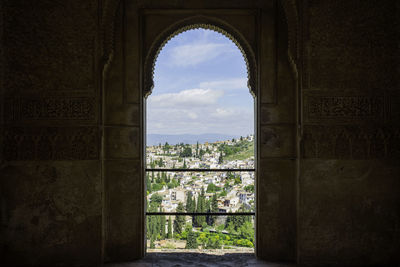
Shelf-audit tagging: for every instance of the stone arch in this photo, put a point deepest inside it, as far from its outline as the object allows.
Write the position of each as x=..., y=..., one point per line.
x=196, y=23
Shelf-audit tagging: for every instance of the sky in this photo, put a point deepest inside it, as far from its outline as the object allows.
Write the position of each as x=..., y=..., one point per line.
x=200, y=86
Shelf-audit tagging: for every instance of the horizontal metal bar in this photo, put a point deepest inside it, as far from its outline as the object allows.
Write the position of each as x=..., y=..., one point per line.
x=200, y=170
x=203, y=213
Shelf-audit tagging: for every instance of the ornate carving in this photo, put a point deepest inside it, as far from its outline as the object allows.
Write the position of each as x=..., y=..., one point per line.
x=349, y=54
x=292, y=19
x=108, y=28
x=48, y=53
x=350, y=142
x=50, y=108
x=51, y=143
x=344, y=107
x=195, y=23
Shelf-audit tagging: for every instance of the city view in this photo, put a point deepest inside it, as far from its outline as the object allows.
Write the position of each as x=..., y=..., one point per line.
x=200, y=147
x=201, y=192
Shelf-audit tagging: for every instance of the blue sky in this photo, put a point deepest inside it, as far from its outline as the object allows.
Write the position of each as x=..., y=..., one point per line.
x=200, y=86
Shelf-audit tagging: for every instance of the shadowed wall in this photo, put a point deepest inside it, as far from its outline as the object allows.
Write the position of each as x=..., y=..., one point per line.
x=72, y=141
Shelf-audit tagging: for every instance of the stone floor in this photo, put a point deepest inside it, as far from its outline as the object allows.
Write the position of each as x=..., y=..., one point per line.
x=199, y=260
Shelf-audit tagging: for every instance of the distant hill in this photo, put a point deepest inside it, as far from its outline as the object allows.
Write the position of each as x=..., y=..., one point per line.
x=173, y=139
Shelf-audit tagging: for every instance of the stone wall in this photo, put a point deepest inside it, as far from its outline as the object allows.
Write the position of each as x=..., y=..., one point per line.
x=72, y=144
x=51, y=187
x=349, y=175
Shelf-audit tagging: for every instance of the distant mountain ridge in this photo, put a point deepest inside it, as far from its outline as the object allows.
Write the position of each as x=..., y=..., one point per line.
x=173, y=139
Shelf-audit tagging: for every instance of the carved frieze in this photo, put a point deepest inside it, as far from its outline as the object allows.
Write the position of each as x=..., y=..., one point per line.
x=350, y=142
x=50, y=108
x=51, y=143
x=345, y=108
x=56, y=51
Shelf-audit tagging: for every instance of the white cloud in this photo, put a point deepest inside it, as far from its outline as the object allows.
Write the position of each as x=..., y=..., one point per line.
x=228, y=84
x=197, y=119
x=186, y=98
x=193, y=54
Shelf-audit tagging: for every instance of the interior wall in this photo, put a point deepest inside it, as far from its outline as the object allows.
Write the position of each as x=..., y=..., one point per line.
x=50, y=168
x=67, y=134
x=349, y=176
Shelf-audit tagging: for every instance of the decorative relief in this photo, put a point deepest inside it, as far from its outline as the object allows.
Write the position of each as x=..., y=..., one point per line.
x=350, y=142
x=50, y=47
x=347, y=44
x=50, y=108
x=344, y=107
x=51, y=143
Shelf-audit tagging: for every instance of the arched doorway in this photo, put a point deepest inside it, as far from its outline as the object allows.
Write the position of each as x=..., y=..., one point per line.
x=227, y=159
x=139, y=32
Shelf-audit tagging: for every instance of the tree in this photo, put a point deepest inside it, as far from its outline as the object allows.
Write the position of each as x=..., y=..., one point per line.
x=249, y=188
x=187, y=152
x=238, y=180
x=214, y=208
x=167, y=147
x=148, y=183
x=162, y=225
x=169, y=235
x=201, y=207
x=152, y=245
x=179, y=220
x=189, y=202
x=160, y=163
x=184, y=164
x=212, y=188
x=191, y=241
x=156, y=198
x=221, y=158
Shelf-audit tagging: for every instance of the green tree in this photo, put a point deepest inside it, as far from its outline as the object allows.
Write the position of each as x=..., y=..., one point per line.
x=152, y=245
x=179, y=219
x=189, y=202
x=186, y=152
x=184, y=165
x=191, y=242
x=214, y=208
x=238, y=180
x=156, y=198
x=162, y=225
x=201, y=207
x=169, y=228
x=249, y=188
x=167, y=147
x=221, y=158
x=148, y=183
x=212, y=188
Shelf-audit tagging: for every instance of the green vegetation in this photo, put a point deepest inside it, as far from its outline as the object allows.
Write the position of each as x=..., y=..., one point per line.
x=179, y=220
x=241, y=152
x=203, y=231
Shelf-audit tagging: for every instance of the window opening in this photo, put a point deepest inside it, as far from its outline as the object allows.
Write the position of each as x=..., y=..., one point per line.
x=200, y=169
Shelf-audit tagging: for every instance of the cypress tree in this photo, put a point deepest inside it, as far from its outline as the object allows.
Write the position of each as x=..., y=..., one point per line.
x=184, y=164
x=163, y=221
x=213, y=208
x=201, y=207
x=152, y=245
x=189, y=202
x=191, y=242
x=179, y=219
x=169, y=227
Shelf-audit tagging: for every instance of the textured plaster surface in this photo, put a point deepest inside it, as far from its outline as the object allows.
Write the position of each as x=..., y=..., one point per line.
x=349, y=208
x=51, y=212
